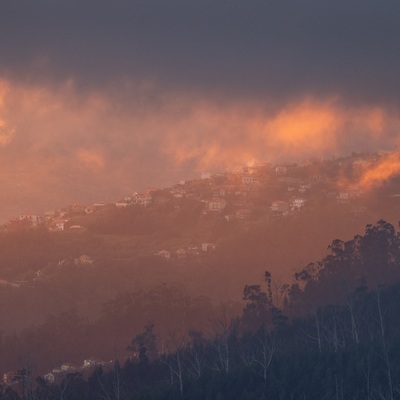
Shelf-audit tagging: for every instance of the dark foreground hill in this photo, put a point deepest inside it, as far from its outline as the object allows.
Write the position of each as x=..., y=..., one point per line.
x=334, y=333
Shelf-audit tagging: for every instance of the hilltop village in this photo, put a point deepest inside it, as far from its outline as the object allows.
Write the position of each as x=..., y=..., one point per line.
x=246, y=195
x=243, y=193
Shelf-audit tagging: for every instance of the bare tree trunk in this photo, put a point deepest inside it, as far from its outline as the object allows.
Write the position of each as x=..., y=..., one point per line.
x=195, y=355
x=265, y=354
x=223, y=328
x=317, y=324
x=354, y=326
x=384, y=347
x=367, y=375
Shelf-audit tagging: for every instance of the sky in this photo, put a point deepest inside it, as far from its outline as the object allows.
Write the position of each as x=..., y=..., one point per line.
x=102, y=98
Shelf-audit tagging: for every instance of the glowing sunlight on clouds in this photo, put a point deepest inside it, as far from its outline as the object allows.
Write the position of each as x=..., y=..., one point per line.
x=305, y=127
x=6, y=133
x=135, y=138
x=91, y=159
x=377, y=174
x=239, y=133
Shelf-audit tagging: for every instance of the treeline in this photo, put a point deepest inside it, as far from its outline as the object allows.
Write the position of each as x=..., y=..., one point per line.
x=368, y=260
x=340, y=352
x=333, y=334
x=70, y=337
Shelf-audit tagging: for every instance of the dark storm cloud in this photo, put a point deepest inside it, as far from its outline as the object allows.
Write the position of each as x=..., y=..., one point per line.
x=247, y=48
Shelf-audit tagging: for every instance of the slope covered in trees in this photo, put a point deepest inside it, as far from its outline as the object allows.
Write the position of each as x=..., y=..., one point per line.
x=333, y=334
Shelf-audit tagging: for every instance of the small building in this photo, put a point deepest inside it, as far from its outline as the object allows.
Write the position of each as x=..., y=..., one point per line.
x=142, y=199
x=48, y=215
x=68, y=367
x=33, y=220
x=181, y=253
x=49, y=378
x=305, y=187
x=58, y=224
x=11, y=377
x=77, y=228
x=250, y=180
x=121, y=204
x=164, y=254
x=193, y=250
x=281, y=170
x=310, y=161
x=98, y=205
x=216, y=205
x=298, y=203
x=250, y=169
x=205, y=175
x=279, y=206
x=220, y=192
x=208, y=247
x=92, y=362
x=84, y=259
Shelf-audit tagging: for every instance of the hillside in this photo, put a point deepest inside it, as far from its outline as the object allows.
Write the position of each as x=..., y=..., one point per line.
x=334, y=333
x=211, y=235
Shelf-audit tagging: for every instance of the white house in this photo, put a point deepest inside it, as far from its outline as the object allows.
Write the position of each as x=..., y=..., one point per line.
x=205, y=175
x=181, y=253
x=84, y=260
x=216, y=205
x=305, y=187
x=142, y=199
x=92, y=362
x=68, y=367
x=298, y=203
x=121, y=204
x=164, y=254
x=49, y=378
x=207, y=246
x=279, y=206
x=280, y=170
x=250, y=180
x=58, y=224
x=34, y=220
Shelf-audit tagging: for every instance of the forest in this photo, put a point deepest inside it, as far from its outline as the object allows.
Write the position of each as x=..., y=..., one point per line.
x=334, y=333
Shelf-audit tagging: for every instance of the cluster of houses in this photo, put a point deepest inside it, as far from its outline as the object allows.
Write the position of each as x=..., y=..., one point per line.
x=82, y=260
x=183, y=253
x=61, y=220
x=57, y=374
x=231, y=193
x=11, y=284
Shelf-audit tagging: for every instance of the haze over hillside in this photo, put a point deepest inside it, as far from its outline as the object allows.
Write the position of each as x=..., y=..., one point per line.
x=98, y=101
x=210, y=235
x=207, y=191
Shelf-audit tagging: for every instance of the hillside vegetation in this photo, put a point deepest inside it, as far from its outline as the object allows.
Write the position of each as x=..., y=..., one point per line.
x=334, y=333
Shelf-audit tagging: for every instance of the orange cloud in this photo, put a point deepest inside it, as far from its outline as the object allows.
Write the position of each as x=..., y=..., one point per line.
x=211, y=136
x=377, y=174
x=376, y=120
x=151, y=137
x=4, y=88
x=90, y=159
x=305, y=126
x=6, y=133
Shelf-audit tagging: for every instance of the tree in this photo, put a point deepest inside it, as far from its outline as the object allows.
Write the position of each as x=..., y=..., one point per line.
x=144, y=344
